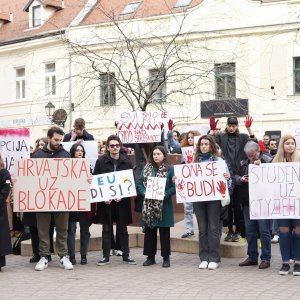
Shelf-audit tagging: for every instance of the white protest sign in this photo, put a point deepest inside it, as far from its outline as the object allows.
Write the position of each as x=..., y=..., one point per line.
x=155, y=188
x=90, y=147
x=295, y=131
x=196, y=139
x=52, y=184
x=188, y=154
x=14, y=144
x=274, y=191
x=113, y=185
x=201, y=182
x=139, y=127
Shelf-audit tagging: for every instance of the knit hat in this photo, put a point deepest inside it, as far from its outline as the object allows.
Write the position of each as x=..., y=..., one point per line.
x=232, y=121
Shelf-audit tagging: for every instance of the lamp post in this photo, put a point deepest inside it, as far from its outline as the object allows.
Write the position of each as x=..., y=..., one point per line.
x=49, y=108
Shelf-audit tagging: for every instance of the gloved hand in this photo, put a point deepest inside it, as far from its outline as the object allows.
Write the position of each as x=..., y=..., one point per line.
x=248, y=121
x=213, y=123
x=171, y=124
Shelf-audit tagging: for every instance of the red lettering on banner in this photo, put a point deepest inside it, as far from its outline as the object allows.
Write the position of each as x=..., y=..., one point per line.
x=84, y=169
x=79, y=199
x=51, y=196
x=40, y=185
x=46, y=168
x=66, y=167
x=74, y=163
x=36, y=200
x=53, y=182
x=211, y=168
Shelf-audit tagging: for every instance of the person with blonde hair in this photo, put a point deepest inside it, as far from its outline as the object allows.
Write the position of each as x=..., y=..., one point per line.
x=289, y=229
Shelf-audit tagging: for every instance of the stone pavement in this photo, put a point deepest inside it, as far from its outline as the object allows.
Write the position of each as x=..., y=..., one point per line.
x=183, y=280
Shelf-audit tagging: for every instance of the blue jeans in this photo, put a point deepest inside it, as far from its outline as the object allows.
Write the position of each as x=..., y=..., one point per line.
x=84, y=235
x=290, y=241
x=252, y=229
x=274, y=227
x=208, y=218
x=188, y=217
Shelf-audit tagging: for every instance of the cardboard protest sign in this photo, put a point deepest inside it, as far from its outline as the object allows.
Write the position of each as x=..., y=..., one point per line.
x=188, y=154
x=274, y=191
x=112, y=185
x=295, y=131
x=201, y=182
x=139, y=127
x=52, y=184
x=90, y=147
x=155, y=188
x=14, y=144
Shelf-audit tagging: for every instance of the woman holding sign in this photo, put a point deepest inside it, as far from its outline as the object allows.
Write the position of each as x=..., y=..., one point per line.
x=208, y=212
x=157, y=212
x=5, y=244
x=289, y=229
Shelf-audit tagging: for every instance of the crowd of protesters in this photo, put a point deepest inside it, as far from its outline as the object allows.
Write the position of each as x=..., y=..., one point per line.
x=238, y=150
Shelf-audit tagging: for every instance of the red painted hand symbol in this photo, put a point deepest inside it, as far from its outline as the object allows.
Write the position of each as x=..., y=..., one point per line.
x=189, y=156
x=248, y=121
x=222, y=188
x=171, y=124
x=213, y=123
x=180, y=185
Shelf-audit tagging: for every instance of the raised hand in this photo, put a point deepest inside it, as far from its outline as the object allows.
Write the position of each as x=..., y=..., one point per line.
x=213, y=123
x=189, y=156
x=248, y=121
x=171, y=124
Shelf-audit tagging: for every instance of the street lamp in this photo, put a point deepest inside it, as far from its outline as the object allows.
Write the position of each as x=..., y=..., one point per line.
x=50, y=108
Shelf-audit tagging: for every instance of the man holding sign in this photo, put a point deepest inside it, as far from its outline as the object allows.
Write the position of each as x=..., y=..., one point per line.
x=53, y=150
x=114, y=210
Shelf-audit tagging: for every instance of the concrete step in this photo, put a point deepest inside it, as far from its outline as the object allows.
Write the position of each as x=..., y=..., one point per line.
x=136, y=239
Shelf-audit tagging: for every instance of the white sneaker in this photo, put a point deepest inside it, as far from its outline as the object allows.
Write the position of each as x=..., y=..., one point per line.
x=275, y=239
x=118, y=253
x=42, y=264
x=65, y=262
x=203, y=265
x=213, y=266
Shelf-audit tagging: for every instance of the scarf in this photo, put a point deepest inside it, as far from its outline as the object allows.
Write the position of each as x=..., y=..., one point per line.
x=152, y=208
x=205, y=157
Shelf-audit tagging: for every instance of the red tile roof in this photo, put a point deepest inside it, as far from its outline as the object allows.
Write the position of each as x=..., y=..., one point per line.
x=107, y=10
x=19, y=27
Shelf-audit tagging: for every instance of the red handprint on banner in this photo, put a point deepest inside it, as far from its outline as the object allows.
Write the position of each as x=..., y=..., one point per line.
x=180, y=184
x=189, y=156
x=222, y=188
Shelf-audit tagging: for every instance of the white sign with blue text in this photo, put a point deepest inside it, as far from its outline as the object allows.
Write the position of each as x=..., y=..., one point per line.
x=114, y=185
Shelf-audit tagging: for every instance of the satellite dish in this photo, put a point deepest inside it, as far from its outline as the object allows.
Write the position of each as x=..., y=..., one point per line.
x=59, y=117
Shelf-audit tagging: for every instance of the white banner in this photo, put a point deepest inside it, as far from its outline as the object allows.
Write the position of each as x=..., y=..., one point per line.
x=113, y=185
x=139, y=127
x=274, y=191
x=201, y=182
x=52, y=184
x=90, y=147
x=14, y=144
x=155, y=188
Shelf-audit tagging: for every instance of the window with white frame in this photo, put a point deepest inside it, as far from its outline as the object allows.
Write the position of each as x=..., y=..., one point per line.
x=36, y=16
x=296, y=75
x=182, y=3
x=50, y=79
x=20, y=83
x=225, y=81
x=158, y=84
x=107, y=89
x=130, y=8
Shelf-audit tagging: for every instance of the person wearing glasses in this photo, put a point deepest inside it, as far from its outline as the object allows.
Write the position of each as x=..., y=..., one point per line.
x=114, y=210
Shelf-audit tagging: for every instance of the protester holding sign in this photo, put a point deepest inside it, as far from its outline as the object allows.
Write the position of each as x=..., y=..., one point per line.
x=157, y=214
x=116, y=209
x=53, y=150
x=208, y=212
x=253, y=227
x=5, y=243
x=289, y=229
x=188, y=141
x=84, y=219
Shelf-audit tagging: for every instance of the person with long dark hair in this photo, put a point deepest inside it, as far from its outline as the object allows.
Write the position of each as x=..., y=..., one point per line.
x=84, y=218
x=208, y=212
x=157, y=214
x=5, y=242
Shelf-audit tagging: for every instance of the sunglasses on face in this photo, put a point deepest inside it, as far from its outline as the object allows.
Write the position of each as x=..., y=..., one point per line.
x=114, y=146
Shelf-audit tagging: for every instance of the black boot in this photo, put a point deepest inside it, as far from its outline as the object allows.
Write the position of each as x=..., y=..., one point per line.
x=73, y=260
x=35, y=258
x=166, y=262
x=149, y=261
x=83, y=260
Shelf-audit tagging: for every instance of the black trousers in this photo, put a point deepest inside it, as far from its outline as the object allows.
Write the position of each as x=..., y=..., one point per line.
x=150, y=241
x=107, y=239
x=115, y=242
x=235, y=214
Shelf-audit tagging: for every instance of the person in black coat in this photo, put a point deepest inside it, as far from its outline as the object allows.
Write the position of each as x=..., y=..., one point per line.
x=5, y=242
x=78, y=133
x=114, y=210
